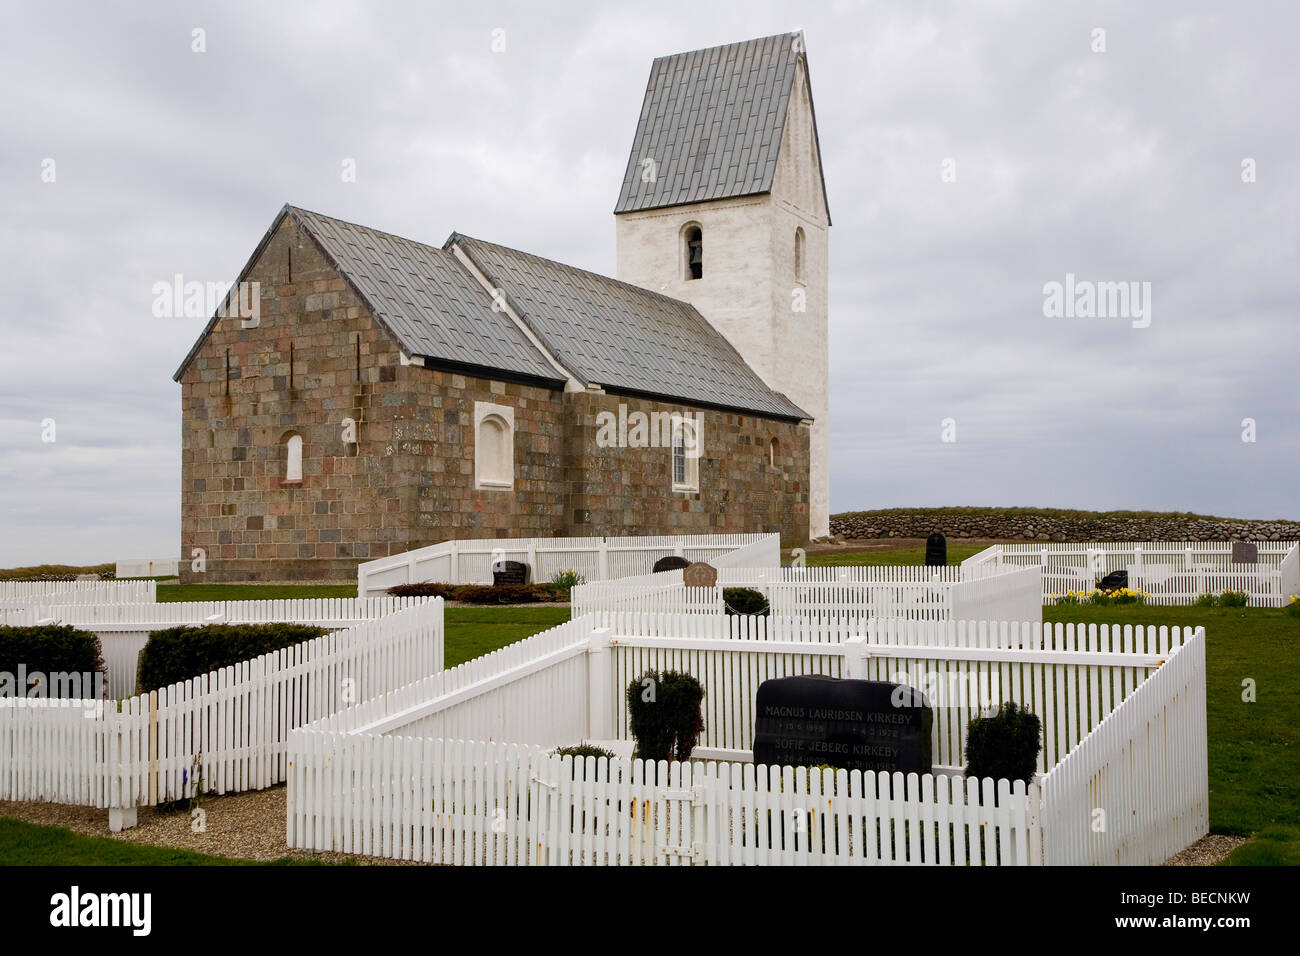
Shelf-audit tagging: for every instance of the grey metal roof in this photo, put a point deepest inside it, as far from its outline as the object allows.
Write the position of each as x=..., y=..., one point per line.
x=711, y=122
x=623, y=337
x=426, y=299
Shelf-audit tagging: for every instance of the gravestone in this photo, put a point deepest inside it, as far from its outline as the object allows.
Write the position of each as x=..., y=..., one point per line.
x=700, y=575
x=509, y=572
x=670, y=563
x=854, y=724
x=1114, y=581
x=1245, y=552
x=936, y=550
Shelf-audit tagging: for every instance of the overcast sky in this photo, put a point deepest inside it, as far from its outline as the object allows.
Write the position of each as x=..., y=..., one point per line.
x=1122, y=165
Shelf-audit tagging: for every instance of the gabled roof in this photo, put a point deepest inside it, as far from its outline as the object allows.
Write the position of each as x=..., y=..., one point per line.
x=605, y=332
x=623, y=337
x=711, y=123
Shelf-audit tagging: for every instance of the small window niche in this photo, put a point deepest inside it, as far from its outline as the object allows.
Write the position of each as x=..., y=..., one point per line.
x=800, y=256
x=686, y=455
x=692, y=251
x=292, y=443
x=494, y=447
x=774, y=454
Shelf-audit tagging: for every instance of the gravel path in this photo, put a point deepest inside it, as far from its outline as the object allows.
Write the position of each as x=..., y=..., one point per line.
x=248, y=826
x=1207, y=851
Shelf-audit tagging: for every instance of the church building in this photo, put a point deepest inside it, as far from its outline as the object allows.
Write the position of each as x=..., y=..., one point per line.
x=389, y=394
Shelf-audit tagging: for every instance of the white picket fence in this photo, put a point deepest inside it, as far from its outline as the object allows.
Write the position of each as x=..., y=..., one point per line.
x=394, y=776
x=233, y=724
x=844, y=599
x=20, y=595
x=1133, y=792
x=470, y=561
x=1170, y=572
x=123, y=629
x=478, y=803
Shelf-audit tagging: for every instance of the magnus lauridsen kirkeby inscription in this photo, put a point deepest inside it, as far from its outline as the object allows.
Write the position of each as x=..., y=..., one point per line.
x=854, y=724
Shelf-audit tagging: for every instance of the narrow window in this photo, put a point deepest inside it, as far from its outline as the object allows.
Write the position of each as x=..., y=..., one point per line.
x=773, y=453
x=293, y=459
x=694, y=252
x=686, y=456
x=494, y=446
x=799, y=254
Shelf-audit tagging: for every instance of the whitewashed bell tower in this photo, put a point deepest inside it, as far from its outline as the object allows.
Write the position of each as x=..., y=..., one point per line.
x=724, y=206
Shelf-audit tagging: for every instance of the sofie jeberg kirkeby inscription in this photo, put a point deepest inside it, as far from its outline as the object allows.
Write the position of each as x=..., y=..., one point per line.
x=854, y=724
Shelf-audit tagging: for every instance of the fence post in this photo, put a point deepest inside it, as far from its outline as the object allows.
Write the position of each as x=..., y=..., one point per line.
x=600, y=697
x=855, y=656
x=455, y=564
x=1034, y=806
x=532, y=559
x=604, y=559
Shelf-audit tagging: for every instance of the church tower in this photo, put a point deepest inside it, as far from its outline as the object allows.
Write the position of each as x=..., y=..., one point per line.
x=724, y=206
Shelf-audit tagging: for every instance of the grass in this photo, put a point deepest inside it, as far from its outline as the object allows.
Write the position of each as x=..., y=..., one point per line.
x=474, y=631
x=171, y=593
x=957, y=553
x=30, y=844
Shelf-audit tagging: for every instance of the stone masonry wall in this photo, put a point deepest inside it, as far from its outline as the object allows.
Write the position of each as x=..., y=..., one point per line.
x=1046, y=525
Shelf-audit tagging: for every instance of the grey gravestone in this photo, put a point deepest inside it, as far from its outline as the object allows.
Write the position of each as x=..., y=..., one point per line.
x=936, y=550
x=1114, y=581
x=1245, y=552
x=670, y=563
x=854, y=724
x=700, y=575
x=509, y=572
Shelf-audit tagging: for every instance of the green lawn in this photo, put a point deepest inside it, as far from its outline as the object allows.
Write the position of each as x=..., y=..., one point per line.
x=252, y=592
x=27, y=844
x=957, y=553
x=475, y=631
x=1254, y=748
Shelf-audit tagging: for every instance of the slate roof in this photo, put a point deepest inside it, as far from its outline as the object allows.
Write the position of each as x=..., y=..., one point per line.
x=623, y=337
x=427, y=300
x=607, y=333
x=712, y=122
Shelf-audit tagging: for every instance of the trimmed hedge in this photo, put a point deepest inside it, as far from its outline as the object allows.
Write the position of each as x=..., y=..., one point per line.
x=179, y=653
x=664, y=714
x=1004, y=745
x=48, y=649
x=484, y=593
x=745, y=601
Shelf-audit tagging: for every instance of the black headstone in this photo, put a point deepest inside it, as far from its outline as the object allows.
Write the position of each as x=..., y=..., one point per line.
x=936, y=550
x=670, y=563
x=1114, y=581
x=509, y=572
x=854, y=724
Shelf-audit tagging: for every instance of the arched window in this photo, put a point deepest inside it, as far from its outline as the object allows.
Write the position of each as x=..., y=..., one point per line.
x=799, y=254
x=293, y=458
x=693, y=251
x=774, y=454
x=686, y=455
x=494, y=446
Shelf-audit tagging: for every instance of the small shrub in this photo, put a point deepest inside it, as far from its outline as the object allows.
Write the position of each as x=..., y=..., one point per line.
x=179, y=653
x=50, y=649
x=582, y=751
x=1234, y=599
x=664, y=712
x=423, y=589
x=1004, y=745
x=1293, y=608
x=1207, y=600
x=745, y=601
x=568, y=578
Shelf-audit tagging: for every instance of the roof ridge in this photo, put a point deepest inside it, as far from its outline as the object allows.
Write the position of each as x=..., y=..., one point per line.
x=632, y=286
x=292, y=210
x=719, y=46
